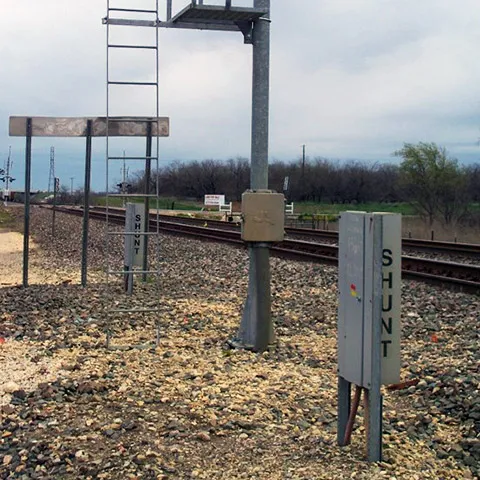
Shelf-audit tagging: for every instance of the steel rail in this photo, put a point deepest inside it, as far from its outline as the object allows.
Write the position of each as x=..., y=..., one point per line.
x=436, y=246
x=460, y=276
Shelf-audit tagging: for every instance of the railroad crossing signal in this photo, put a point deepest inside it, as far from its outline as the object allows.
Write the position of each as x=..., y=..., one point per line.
x=124, y=187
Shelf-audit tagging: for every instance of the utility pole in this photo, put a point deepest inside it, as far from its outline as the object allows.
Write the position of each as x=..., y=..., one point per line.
x=71, y=185
x=51, y=176
x=303, y=172
x=303, y=161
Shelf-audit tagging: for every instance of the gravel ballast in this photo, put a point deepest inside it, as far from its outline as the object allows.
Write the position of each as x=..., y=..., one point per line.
x=192, y=407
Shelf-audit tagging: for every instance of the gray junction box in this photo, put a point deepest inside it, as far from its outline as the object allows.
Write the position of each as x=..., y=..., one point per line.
x=263, y=216
x=369, y=284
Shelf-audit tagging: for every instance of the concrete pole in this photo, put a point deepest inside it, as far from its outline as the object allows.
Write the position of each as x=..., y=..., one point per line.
x=256, y=329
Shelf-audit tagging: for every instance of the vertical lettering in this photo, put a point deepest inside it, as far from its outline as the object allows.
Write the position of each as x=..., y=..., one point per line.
x=389, y=280
x=390, y=302
x=385, y=344
x=387, y=257
x=388, y=327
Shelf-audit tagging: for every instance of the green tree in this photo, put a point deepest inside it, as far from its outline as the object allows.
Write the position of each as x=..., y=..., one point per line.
x=433, y=181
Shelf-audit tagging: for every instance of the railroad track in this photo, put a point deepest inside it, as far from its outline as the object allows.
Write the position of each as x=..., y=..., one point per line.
x=460, y=276
x=454, y=248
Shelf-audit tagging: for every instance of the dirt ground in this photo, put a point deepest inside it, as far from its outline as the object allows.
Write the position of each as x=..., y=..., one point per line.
x=191, y=408
x=11, y=248
x=11, y=261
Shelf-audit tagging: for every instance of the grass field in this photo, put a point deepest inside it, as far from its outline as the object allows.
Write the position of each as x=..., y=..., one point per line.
x=335, y=209
x=6, y=218
x=163, y=204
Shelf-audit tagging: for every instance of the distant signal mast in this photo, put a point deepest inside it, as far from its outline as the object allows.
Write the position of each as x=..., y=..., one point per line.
x=51, y=176
x=5, y=176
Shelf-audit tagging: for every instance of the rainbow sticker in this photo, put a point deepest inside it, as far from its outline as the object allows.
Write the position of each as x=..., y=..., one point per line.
x=353, y=290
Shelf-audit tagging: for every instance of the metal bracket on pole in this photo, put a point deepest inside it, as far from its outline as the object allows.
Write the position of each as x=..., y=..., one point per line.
x=246, y=28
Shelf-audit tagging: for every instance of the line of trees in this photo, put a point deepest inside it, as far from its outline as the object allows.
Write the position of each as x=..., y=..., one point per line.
x=436, y=183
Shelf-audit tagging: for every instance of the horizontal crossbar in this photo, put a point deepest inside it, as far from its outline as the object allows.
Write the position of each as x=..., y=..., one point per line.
x=77, y=126
x=129, y=23
x=132, y=158
x=151, y=47
x=135, y=272
x=136, y=10
x=110, y=82
x=143, y=195
x=132, y=233
x=135, y=310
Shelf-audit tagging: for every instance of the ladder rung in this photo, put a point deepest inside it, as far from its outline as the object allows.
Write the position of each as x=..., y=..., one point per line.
x=132, y=233
x=132, y=83
x=133, y=158
x=134, y=310
x=143, y=195
x=134, y=119
x=131, y=10
x=135, y=272
x=151, y=47
x=126, y=22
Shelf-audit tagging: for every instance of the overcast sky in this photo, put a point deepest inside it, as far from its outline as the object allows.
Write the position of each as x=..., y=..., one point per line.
x=351, y=79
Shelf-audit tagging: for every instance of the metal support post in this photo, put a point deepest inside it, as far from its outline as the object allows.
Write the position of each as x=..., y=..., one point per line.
x=344, y=405
x=148, y=168
x=373, y=399
x=54, y=209
x=86, y=202
x=260, y=98
x=26, y=220
x=256, y=328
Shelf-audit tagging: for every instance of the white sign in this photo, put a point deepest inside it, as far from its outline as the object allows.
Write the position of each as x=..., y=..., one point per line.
x=214, y=200
x=134, y=240
x=392, y=279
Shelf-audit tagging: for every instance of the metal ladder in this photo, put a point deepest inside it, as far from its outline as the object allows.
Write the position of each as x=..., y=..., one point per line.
x=117, y=275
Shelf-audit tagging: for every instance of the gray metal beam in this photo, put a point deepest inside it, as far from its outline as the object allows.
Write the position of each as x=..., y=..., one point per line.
x=200, y=26
x=77, y=126
x=227, y=27
x=128, y=22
